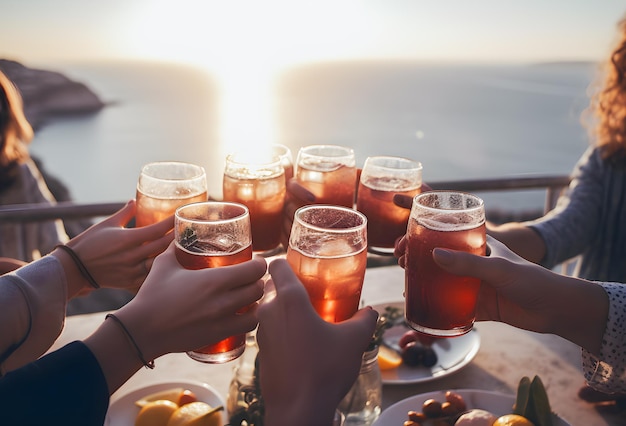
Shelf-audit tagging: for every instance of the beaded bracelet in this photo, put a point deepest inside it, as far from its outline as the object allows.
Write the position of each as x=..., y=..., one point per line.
x=147, y=364
x=80, y=265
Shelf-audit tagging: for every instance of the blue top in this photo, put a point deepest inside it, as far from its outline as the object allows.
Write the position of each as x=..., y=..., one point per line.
x=589, y=220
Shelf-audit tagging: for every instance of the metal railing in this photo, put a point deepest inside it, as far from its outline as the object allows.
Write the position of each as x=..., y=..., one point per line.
x=69, y=210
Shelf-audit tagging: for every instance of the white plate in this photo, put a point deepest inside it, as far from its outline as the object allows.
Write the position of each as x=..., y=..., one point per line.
x=123, y=411
x=453, y=353
x=498, y=404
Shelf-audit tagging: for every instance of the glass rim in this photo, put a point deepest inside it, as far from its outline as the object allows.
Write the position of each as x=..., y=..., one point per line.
x=308, y=225
x=307, y=150
x=200, y=172
x=417, y=166
x=479, y=206
x=245, y=212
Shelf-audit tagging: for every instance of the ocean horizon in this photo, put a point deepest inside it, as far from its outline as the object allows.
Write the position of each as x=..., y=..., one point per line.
x=460, y=121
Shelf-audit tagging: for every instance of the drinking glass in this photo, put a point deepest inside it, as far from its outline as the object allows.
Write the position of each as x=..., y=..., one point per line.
x=437, y=302
x=260, y=185
x=286, y=159
x=164, y=186
x=211, y=234
x=329, y=172
x=328, y=252
x=381, y=178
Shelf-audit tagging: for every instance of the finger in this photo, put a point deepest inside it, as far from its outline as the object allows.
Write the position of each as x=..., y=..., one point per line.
x=404, y=201
x=122, y=216
x=462, y=263
x=298, y=191
x=241, y=274
x=284, y=278
x=153, y=248
x=155, y=230
x=362, y=324
x=400, y=247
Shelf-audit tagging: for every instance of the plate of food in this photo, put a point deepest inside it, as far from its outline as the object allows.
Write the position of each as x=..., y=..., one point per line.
x=476, y=407
x=167, y=399
x=426, y=358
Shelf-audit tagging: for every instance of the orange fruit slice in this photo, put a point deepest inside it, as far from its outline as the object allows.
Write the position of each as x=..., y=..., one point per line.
x=156, y=413
x=388, y=359
x=512, y=420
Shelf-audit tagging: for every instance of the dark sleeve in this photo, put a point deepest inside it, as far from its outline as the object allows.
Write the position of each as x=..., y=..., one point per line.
x=64, y=387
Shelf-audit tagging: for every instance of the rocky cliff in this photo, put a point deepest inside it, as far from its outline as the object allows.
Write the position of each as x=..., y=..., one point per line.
x=48, y=93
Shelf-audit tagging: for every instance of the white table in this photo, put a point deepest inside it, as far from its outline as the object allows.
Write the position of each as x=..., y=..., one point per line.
x=506, y=354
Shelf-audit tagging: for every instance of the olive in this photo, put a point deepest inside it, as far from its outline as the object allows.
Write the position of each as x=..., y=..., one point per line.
x=456, y=400
x=429, y=357
x=413, y=354
x=431, y=408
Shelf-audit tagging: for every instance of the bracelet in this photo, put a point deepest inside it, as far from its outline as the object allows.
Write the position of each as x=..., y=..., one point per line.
x=80, y=265
x=147, y=364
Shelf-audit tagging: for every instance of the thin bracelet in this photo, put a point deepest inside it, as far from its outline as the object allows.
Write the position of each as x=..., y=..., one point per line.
x=147, y=364
x=80, y=265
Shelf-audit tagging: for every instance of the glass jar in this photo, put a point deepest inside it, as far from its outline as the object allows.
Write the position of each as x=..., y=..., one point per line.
x=244, y=394
x=362, y=404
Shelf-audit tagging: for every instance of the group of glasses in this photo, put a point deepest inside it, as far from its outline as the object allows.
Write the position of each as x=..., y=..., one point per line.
x=329, y=238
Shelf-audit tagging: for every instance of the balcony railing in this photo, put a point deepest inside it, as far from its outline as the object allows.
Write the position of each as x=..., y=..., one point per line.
x=553, y=186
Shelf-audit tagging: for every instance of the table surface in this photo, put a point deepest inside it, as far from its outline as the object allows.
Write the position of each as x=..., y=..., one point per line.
x=506, y=354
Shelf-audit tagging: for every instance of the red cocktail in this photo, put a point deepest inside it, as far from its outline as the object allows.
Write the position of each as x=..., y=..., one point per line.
x=329, y=172
x=381, y=179
x=211, y=235
x=437, y=302
x=328, y=253
x=261, y=188
x=162, y=187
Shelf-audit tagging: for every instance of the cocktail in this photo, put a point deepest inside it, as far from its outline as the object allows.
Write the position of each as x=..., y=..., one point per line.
x=437, y=302
x=329, y=172
x=260, y=185
x=328, y=252
x=212, y=234
x=382, y=178
x=164, y=186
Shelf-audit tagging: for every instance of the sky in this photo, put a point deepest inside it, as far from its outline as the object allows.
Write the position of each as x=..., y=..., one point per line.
x=225, y=34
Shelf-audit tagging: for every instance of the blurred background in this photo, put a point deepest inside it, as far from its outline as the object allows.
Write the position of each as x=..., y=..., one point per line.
x=472, y=89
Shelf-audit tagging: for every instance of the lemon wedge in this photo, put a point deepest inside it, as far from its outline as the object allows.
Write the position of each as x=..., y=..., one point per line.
x=156, y=413
x=196, y=414
x=388, y=358
x=168, y=395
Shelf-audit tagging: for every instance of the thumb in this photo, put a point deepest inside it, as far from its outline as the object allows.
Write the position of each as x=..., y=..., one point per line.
x=122, y=216
x=361, y=325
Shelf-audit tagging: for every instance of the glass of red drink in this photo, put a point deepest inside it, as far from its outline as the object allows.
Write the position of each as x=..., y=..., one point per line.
x=329, y=172
x=383, y=177
x=164, y=186
x=328, y=252
x=259, y=184
x=437, y=302
x=210, y=235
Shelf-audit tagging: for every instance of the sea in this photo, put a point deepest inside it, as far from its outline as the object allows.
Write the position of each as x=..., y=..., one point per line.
x=460, y=121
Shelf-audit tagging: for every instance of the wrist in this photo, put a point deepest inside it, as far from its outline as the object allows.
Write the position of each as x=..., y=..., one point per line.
x=76, y=283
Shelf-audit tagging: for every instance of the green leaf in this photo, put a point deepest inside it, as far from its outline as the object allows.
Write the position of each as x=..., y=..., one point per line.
x=523, y=396
x=539, y=411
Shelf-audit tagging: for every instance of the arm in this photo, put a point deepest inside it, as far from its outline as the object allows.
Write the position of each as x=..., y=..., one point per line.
x=307, y=365
x=164, y=317
x=524, y=241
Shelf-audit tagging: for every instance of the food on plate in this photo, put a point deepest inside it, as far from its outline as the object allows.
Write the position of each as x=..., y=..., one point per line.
x=388, y=358
x=415, y=354
x=476, y=417
x=532, y=402
x=156, y=413
x=176, y=407
x=196, y=414
x=444, y=412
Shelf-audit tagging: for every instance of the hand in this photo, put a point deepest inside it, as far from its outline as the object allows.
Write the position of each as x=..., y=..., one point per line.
x=120, y=257
x=307, y=365
x=179, y=310
x=528, y=296
x=406, y=201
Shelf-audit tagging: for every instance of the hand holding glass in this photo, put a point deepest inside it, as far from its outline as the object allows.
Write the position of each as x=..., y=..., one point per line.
x=328, y=253
x=210, y=235
x=437, y=302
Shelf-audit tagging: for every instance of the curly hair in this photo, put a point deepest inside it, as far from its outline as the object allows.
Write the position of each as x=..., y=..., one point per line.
x=607, y=110
x=15, y=130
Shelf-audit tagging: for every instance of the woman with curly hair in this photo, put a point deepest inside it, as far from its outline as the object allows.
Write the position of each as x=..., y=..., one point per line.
x=590, y=217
